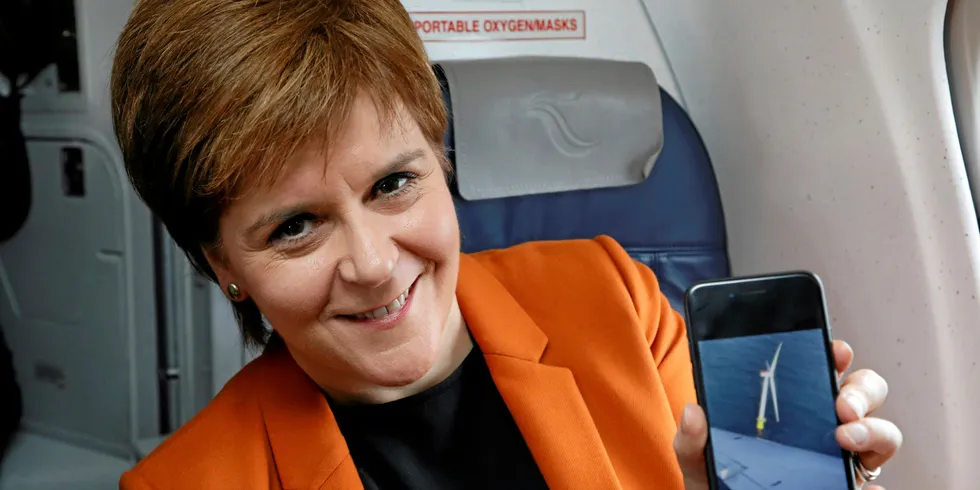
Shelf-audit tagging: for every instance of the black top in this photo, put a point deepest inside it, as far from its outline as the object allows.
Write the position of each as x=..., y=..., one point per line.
x=457, y=434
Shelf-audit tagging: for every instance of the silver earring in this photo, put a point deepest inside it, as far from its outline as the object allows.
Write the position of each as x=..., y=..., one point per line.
x=234, y=292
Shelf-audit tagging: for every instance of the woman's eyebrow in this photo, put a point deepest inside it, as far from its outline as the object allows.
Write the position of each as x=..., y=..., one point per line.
x=275, y=217
x=399, y=162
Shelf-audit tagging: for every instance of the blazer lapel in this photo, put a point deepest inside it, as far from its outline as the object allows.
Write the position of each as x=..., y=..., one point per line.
x=307, y=446
x=544, y=400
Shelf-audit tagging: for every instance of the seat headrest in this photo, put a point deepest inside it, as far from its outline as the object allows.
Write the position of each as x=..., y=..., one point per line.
x=524, y=126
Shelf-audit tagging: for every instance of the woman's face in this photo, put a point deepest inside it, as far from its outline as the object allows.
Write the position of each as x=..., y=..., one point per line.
x=352, y=257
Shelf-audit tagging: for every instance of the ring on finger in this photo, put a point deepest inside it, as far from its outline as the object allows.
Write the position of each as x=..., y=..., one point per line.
x=868, y=476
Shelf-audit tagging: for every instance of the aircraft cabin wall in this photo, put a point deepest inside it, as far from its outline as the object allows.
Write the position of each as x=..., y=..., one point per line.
x=92, y=296
x=831, y=131
x=74, y=274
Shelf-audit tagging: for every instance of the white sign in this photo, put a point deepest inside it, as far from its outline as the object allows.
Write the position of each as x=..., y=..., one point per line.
x=525, y=25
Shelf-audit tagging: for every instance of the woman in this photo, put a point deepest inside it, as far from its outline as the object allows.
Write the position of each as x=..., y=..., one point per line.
x=293, y=150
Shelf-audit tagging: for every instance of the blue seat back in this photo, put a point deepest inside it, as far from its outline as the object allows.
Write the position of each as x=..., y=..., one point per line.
x=672, y=222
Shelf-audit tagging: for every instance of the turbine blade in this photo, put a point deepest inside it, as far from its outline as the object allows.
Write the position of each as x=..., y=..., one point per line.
x=775, y=358
x=775, y=401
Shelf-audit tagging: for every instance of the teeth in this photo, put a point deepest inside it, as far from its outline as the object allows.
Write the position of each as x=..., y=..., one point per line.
x=395, y=305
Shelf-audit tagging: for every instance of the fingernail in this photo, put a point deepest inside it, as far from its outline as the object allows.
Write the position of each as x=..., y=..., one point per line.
x=686, y=418
x=857, y=433
x=857, y=404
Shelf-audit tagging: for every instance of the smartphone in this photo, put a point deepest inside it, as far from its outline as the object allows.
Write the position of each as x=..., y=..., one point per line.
x=766, y=378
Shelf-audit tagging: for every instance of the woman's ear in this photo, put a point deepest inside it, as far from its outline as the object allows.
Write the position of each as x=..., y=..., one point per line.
x=226, y=280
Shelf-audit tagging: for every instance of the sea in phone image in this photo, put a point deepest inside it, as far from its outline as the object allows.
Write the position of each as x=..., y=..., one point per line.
x=795, y=449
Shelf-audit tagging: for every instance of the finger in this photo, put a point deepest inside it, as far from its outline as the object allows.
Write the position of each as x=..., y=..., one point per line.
x=692, y=435
x=843, y=356
x=861, y=393
x=874, y=487
x=874, y=440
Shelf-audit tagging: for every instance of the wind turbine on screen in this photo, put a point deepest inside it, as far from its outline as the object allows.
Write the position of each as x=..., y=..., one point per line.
x=768, y=384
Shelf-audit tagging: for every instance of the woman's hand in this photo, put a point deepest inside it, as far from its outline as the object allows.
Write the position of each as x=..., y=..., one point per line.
x=862, y=392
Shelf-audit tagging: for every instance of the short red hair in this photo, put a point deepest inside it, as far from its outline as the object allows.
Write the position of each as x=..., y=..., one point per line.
x=210, y=97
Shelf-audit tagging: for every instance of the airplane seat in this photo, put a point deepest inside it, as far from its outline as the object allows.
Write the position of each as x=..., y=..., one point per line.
x=668, y=217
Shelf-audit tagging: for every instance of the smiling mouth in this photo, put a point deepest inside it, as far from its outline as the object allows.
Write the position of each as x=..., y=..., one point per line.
x=389, y=309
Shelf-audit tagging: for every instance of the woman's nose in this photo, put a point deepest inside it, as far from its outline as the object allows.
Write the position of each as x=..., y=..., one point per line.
x=370, y=257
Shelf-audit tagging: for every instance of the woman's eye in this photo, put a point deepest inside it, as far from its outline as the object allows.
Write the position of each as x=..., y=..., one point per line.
x=294, y=229
x=392, y=183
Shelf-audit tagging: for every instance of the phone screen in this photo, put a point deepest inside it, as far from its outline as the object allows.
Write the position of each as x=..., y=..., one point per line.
x=762, y=354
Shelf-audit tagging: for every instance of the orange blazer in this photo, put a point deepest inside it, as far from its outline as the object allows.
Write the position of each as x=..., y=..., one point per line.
x=585, y=350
